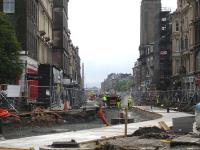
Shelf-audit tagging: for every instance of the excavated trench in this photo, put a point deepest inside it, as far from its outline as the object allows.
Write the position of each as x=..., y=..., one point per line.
x=73, y=121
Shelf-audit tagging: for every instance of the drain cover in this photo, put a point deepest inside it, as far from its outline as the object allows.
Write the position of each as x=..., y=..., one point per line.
x=66, y=144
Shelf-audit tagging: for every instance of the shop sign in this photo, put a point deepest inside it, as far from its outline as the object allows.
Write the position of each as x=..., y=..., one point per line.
x=188, y=79
x=163, y=52
x=33, y=77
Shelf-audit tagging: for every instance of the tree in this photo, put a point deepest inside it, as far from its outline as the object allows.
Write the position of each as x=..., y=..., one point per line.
x=123, y=85
x=10, y=66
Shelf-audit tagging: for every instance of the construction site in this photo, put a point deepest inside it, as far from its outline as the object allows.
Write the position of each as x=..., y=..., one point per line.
x=135, y=127
x=55, y=96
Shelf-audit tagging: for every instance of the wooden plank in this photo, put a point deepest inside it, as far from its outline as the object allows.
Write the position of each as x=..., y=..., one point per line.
x=164, y=126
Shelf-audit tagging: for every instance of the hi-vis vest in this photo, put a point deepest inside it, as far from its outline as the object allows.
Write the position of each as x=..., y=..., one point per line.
x=104, y=99
x=130, y=102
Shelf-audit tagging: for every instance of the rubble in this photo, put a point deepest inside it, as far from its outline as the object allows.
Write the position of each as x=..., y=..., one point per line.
x=147, y=130
x=152, y=133
x=133, y=143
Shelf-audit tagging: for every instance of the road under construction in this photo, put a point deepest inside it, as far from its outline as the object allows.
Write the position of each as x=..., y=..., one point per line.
x=41, y=127
x=160, y=118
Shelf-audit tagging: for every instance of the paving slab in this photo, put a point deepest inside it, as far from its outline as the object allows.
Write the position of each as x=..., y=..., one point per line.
x=187, y=139
x=95, y=133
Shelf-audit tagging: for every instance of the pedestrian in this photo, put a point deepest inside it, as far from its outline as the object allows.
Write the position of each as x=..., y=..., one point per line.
x=158, y=100
x=168, y=109
x=151, y=107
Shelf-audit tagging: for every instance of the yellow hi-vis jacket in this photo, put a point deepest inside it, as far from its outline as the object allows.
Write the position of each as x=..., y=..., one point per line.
x=130, y=102
x=118, y=104
x=104, y=99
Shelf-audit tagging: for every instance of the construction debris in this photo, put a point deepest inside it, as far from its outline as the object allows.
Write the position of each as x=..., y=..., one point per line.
x=164, y=126
x=42, y=117
x=147, y=130
x=133, y=143
x=153, y=133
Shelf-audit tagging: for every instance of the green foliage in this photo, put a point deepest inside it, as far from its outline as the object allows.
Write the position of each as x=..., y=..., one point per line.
x=124, y=85
x=10, y=67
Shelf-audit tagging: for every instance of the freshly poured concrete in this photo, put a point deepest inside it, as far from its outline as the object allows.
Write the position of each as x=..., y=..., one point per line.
x=92, y=134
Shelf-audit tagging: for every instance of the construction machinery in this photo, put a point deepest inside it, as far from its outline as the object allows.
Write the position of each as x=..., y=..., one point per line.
x=112, y=100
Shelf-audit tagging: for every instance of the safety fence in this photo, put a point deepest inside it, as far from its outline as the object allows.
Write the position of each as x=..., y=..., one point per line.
x=169, y=97
x=56, y=95
x=49, y=96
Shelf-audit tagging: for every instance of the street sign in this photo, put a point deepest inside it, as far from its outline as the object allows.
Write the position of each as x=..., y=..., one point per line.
x=33, y=77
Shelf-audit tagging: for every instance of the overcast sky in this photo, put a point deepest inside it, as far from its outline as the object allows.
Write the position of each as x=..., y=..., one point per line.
x=107, y=33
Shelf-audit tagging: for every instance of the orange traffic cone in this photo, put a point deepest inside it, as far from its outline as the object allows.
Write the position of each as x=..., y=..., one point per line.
x=65, y=105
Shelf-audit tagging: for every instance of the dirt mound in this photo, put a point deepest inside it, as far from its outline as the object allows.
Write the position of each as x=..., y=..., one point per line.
x=147, y=131
x=155, y=136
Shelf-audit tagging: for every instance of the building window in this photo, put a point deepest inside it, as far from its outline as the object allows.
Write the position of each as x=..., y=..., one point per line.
x=198, y=62
x=164, y=19
x=177, y=46
x=148, y=50
x=177, y=66
x=9, y=6
x=186, y=43
x=164, y=28
x=177, y=26
x=182, y=44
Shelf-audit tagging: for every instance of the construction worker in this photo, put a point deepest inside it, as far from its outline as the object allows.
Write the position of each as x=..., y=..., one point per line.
x=130, y=102
x=101, y=116
x=104, y=100
x=118, y=102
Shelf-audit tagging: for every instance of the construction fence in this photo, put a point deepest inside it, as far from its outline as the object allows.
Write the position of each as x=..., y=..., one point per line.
x=169, y=97
x=48, y=96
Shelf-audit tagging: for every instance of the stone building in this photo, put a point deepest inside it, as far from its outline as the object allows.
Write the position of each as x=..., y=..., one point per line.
x=136, y=76
x=61, y=36
x=164, y=51
x=196, y=40
x=183, y=54
x=155, y=47
x=149, y=39
x=45, y=22
x=24, y=16
x=42, y=30
x=75, y=89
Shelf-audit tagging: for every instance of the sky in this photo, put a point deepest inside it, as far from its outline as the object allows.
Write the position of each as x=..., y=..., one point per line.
x=107, y=33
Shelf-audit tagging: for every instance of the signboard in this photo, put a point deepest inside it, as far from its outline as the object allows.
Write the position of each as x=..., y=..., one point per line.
x=66, y=81
x=13, y=91
x=33, y=77
x=163, y=52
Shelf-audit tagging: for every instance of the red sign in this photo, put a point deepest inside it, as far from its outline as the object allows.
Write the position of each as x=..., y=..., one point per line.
x=197, y=81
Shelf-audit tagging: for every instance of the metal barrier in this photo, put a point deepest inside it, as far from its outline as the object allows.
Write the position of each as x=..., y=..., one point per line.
x=167, y=97
x=56, y=95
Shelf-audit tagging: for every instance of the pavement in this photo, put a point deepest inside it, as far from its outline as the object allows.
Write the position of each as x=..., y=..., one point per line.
x=95, y=133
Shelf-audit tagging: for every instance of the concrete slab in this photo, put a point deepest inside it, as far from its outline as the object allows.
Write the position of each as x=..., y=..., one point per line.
x=93, y=134
x=186, y=139
x=183, y=124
